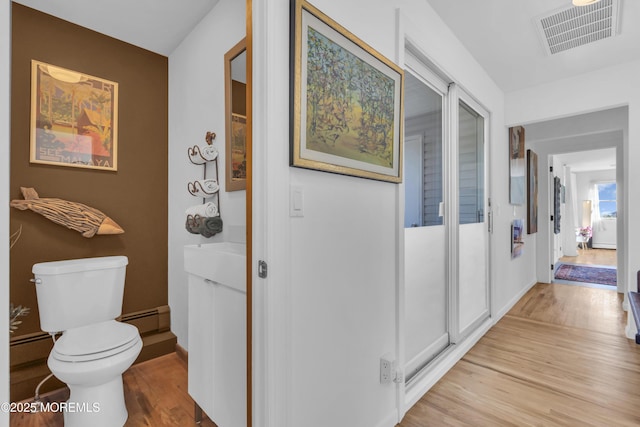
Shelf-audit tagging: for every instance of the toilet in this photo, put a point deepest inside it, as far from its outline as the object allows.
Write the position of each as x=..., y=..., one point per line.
x=82, y=298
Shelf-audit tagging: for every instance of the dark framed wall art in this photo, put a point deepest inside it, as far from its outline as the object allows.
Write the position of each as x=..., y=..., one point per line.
x=557, y=189
x=532, y=192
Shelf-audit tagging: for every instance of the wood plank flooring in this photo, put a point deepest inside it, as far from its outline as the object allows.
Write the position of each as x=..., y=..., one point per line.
x=593, y=257
x=558, y=358
x=156, y=396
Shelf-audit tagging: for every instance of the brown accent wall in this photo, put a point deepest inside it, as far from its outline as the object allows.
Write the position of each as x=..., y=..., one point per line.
x=135, y=196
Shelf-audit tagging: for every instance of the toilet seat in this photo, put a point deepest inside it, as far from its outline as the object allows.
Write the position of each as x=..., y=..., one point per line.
x=95, y=341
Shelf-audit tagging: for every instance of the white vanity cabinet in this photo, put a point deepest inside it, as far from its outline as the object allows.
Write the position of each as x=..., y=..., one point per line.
x=217, y=331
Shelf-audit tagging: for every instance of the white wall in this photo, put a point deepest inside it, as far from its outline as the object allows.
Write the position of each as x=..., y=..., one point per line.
x=331, y=300
x=5, y=126
x=196, y=105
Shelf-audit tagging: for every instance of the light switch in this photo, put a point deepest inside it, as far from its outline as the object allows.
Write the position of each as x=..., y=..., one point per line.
x=296, y=202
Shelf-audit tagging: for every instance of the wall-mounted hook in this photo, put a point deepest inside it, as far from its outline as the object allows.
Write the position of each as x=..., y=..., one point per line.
x=210, y=137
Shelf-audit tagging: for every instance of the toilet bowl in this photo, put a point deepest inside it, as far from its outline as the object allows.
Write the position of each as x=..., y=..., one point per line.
x=81, y=299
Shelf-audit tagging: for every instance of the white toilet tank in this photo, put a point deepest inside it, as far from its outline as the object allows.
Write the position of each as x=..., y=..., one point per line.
x=79, y=292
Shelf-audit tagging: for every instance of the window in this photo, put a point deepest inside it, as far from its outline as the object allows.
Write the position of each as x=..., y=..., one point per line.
x=607, y=200
x=471, y=165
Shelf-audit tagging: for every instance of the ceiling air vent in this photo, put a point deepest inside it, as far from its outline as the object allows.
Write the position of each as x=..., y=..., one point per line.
x=576, y=26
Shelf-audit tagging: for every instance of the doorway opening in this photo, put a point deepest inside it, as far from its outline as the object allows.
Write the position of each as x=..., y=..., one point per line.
x=586, y=246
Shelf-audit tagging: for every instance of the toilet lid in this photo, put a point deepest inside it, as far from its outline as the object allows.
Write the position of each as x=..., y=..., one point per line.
x=95, y=341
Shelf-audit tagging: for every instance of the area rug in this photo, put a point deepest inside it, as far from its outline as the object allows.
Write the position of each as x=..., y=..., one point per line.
x=587, y=274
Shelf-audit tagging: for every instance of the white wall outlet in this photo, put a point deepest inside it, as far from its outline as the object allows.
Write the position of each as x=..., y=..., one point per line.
x=385, y=370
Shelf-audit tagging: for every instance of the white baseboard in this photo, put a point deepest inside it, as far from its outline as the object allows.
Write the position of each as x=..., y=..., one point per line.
x=389, y=421
x=504, y=310
x=604, y=245
x=630, y=331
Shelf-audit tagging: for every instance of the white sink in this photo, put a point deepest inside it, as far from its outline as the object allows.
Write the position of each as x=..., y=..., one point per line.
x=223, y=263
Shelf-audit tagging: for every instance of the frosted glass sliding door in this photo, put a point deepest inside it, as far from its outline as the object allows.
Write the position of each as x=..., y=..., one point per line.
x=473, y=235
x=446, y=237
x=426, y=286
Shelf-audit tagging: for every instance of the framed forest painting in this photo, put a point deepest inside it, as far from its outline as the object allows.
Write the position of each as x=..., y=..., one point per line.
x=346, y=101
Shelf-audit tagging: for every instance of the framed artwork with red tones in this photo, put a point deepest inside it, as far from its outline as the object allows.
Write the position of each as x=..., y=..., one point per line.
x=74, y=118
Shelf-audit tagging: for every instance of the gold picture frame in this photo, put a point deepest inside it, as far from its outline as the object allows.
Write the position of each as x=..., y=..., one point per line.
x=74, y=118
x=346, y=101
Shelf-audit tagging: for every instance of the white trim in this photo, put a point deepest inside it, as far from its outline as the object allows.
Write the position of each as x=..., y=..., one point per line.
x=5, y=126
x=389, y=421
x=630, y=330
x=513, y=301
x=450, y=188
x=423, y=73
x=272, y=351
x=604, y=245
x=400, y=288
x=259, y=380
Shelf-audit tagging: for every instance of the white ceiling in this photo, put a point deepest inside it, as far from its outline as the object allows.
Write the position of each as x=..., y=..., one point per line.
x=588, y=161
x=155, y=25
x=502, y=36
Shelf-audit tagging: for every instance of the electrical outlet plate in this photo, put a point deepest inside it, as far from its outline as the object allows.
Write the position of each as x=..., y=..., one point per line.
x=385, y=371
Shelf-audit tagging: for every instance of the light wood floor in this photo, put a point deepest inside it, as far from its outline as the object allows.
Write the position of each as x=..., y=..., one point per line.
x=593, y=257
x=156, y=396
x=558, y=358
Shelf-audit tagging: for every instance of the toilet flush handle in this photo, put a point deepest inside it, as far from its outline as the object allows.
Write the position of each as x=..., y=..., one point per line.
x=36, y=281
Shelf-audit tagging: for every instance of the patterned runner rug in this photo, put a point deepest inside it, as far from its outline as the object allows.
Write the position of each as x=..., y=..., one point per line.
x=587, y=274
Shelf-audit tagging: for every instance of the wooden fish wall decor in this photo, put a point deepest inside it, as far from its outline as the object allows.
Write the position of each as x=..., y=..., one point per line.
x=76, y=216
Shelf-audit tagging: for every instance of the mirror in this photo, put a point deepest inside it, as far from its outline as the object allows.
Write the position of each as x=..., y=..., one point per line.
x=422, y=154
x=235, y=75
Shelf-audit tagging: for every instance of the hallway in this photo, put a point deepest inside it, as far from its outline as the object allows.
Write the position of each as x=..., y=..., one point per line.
x=559, y=357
